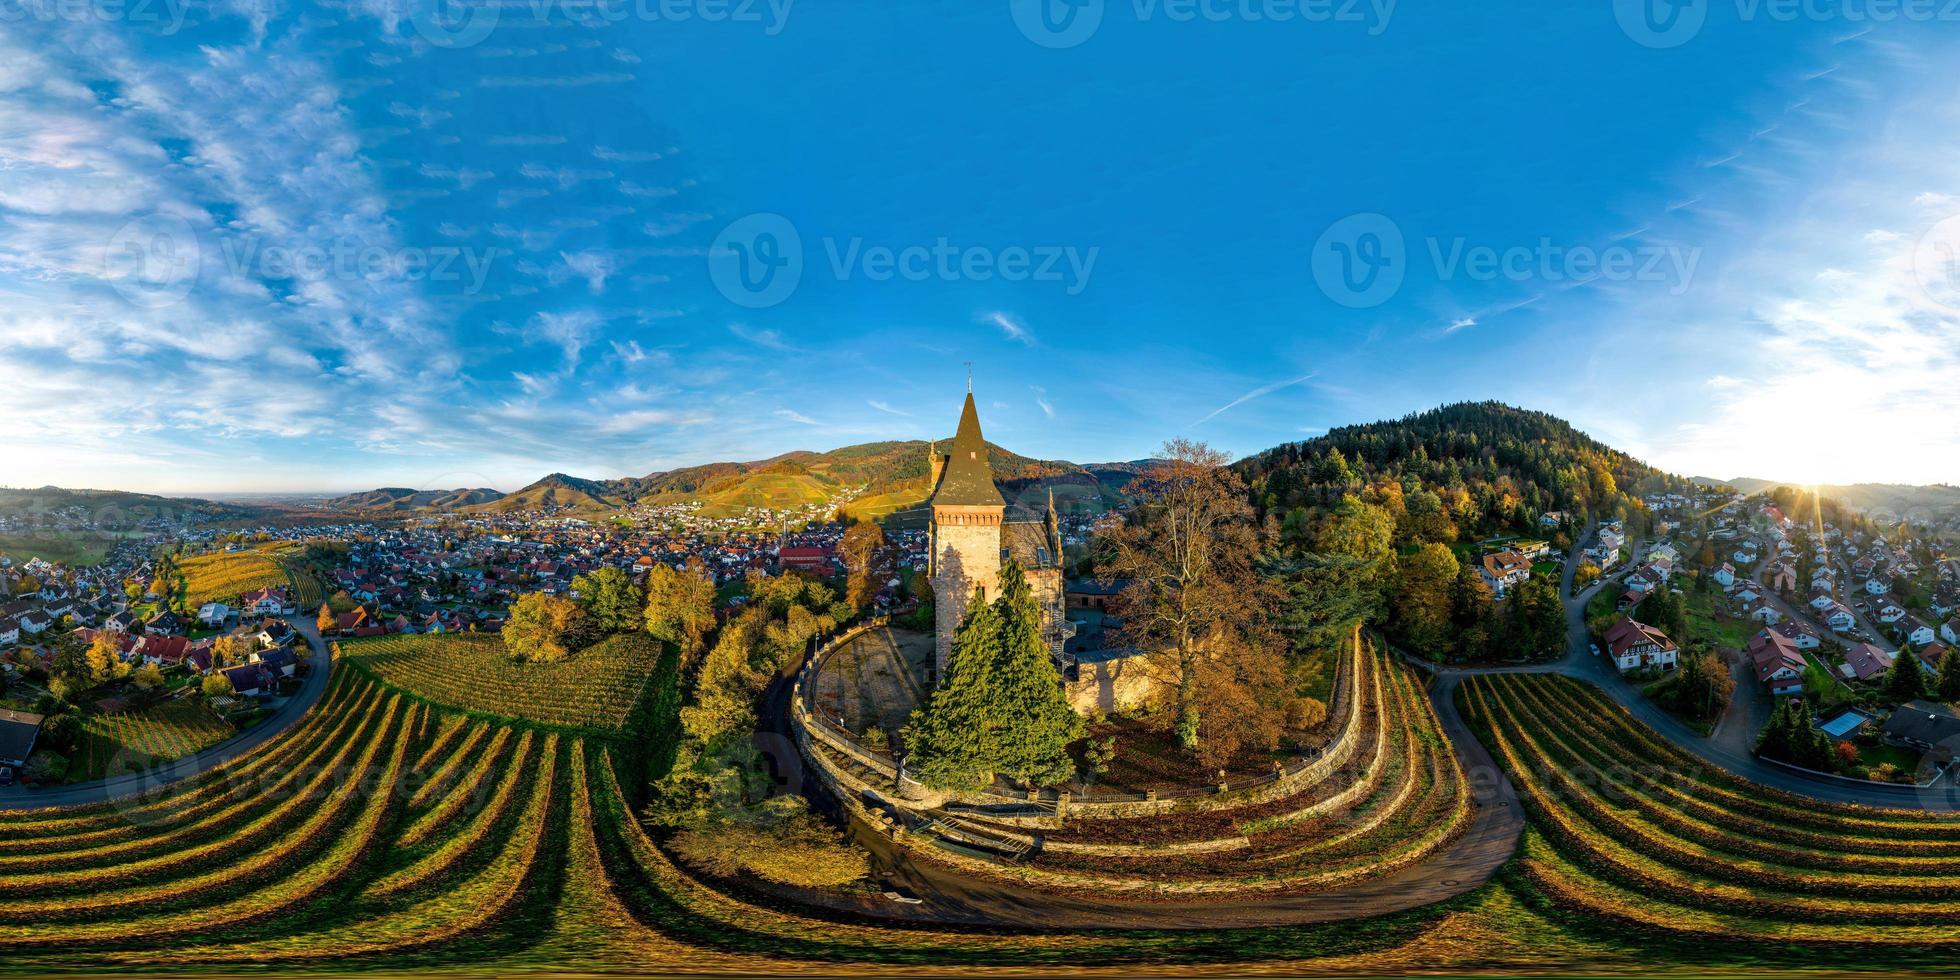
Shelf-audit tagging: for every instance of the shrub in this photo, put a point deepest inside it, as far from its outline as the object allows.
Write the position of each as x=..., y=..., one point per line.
x=779, y=841
x=1305, y=713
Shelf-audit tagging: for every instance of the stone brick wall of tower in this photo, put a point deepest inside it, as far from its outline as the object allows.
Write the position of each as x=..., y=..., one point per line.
x=966, y=558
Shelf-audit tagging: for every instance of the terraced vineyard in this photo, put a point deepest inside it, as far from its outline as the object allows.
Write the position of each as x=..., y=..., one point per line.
x=1631, y=831
x=1385, y=794
x=595, y=690
x=382, y=833
x=114, y=744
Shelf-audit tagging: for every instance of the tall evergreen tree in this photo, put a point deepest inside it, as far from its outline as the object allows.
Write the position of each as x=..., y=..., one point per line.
x=1949, y=685
x=1000, y=707
x=1904, y=680
x=1033, y=745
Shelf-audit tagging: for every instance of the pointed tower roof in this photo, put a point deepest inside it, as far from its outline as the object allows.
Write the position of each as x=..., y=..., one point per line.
x=969, y=479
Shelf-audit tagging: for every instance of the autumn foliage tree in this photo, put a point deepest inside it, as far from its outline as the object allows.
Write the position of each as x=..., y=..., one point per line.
x=1187, y=550
x=680, y=607
x=542, y=628
x=867, y=563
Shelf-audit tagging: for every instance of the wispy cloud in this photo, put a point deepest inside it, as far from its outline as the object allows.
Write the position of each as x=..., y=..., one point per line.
x=769, y=339
x=887, y=409
x=1259, y=392
x=1041, y=399
x=794, y=416
x=1010, y=327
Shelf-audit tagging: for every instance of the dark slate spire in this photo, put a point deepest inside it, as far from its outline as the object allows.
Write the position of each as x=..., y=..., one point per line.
x=969, y=479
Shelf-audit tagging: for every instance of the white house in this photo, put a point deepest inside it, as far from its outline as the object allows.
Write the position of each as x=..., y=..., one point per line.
x=1888, y=612
x=1916, y=632
x=213, y=613
x=1761, y=611
x=1503, y=569
x=1878, y=585
x=34, y=621
x=1949, y=631
x=9, y=632
x=1822, y=601
x=1634, y=645
x=1840, y=619
x=1725, y=575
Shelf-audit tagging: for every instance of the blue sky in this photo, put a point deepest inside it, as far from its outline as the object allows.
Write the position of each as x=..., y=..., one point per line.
x=334, y=245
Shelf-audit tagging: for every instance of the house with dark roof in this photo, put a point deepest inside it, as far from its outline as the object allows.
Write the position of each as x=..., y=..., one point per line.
x=18, y=732
x=1923, y=726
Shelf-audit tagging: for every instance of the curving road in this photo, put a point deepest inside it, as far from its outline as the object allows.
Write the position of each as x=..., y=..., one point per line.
x=109, y=788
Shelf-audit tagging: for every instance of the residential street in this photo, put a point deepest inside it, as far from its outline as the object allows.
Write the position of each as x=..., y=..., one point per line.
x=21, y=798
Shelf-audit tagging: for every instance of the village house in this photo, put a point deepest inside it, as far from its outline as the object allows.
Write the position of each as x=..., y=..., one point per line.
x=1779, y=667
x=1503, y=569
x=1922, y=726
x=1865, y=662
x=1635, y=645
x=18, y=732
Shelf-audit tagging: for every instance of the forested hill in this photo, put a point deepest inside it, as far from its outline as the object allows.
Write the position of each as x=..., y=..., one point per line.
x=1475, y=468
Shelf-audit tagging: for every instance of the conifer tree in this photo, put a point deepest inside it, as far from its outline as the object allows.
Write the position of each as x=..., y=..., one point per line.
x=951, y=732
x=1000, y=707
x=1904, y=680
x=1949, y=685
x=1033, y=746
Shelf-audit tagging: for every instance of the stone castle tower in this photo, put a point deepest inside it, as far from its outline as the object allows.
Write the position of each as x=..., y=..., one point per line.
x=974, y=530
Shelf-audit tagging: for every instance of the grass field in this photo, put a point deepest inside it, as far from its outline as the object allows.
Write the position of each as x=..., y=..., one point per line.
x=595, y=690
x=74, y=549
x=114, y=744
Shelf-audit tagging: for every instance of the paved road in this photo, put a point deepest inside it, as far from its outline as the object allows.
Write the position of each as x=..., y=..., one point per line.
x=21, y=798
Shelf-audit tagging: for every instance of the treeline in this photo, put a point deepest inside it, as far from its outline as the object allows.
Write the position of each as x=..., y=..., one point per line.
x=1367, y=522
x=1467, y=470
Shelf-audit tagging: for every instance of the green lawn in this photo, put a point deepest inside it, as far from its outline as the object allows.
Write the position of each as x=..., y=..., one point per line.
x=1707, y=624
x=74, y=549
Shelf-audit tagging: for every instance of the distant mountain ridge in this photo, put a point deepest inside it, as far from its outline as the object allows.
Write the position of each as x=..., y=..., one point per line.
x=405, y=499
x=870, y=480
x=115, y=508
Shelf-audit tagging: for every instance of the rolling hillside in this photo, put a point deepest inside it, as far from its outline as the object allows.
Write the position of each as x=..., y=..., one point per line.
x=404, y=499
x=872, y=480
